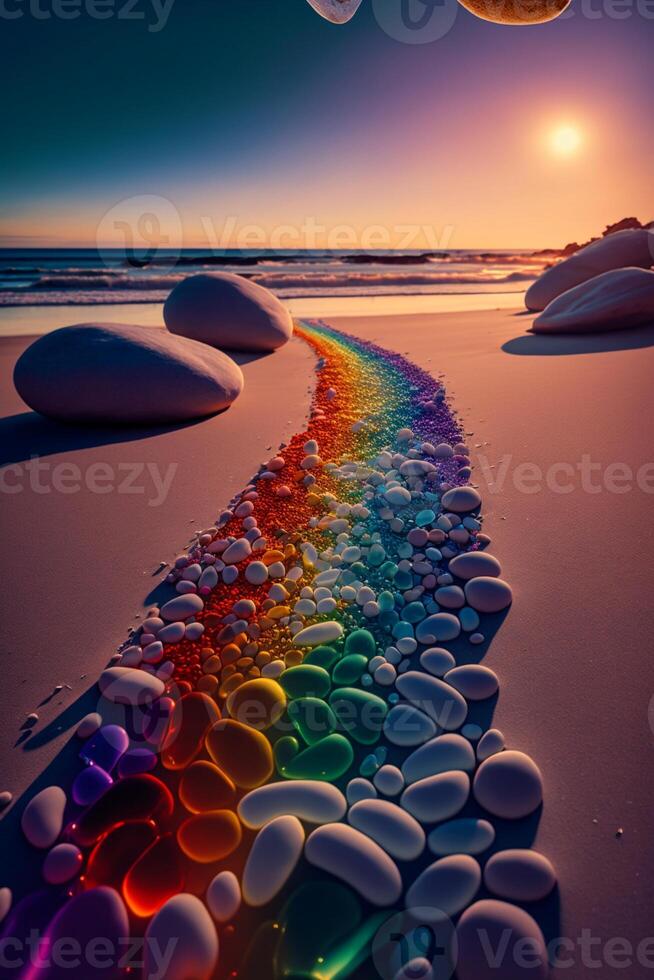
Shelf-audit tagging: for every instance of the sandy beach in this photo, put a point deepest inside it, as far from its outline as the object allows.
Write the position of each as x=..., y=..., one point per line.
x=575, y=543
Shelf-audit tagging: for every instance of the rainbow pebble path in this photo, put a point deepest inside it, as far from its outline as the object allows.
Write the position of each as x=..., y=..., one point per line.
x=283, y=773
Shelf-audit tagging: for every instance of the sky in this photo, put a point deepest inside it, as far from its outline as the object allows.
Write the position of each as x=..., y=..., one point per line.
x=216, y=123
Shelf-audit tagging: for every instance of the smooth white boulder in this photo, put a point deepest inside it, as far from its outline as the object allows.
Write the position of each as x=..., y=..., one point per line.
x=509, y=931
x=467, y=835
x=306, y=799
x=448, y=885
x=182, y=608
x=441, y=702
x=474, y=563
x=43, y=817
x=444, y=753
x=488, y=595
x=62, y=863
x=631, y=247
x=337, y=11
x=129, y=685
x=407, y=726
x=227, y=311
x=121, y=373
x=474, y=681
x=272, y=859
x=319, y=633
x=438, y=797
x=438, y=628
x=224, y=896
x=357, y=860
x=392, y=827
x=509, y=785
x=615, y=300
x=195, y=949
x=521, y=875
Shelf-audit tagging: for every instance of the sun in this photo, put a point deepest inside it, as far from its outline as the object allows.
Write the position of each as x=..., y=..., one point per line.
x=566, y=140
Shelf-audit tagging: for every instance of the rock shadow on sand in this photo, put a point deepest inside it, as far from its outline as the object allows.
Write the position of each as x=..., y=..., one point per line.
x=561, y=345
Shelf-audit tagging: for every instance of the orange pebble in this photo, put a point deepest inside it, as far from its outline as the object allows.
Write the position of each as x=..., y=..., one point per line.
x=243, y=753
x=271, y=556
x=230, y=653
x=231, y=684
x=293, y=658
x=209, y=837
x=208, y=684
x=204, y=786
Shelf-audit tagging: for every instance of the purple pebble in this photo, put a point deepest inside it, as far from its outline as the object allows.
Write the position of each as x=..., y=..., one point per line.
x=135, y=762
x=90, y=784
x=105, y=748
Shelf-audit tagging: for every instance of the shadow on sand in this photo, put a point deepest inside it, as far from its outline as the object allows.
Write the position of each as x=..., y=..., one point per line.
x=559, y=345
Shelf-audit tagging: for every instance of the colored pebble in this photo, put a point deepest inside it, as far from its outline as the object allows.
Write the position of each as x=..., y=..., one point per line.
x=258, y=703
x=306, y=680
x=491, y=924
x=437, y=797
x=62, y=863
x=312, y=718
x=357, y=860
x=43, y=817
x=211, y=836
x=195, y=951
x=360, y=713
x=90, y=784
x=360, y=642
x=439, y=700
x=349, y=670
x=154, y=877
x=117, y=851
x=273, y=857
x=474, y=681
x=509, y=784
x=128, y=685
x=405, y=725
x=192, y=717
x=204, y=786
x=519, y=875
x=224, y=896
x=328, y=759
x=92, y=920
x=136, y=761
x=322, y=656
x=241, y=752
x=134, y=798
x=308, y=800
x=446, y=886
x=105, y=747
x=468, y=835
x=488, y=595
x=6, y=899
x=395, y=830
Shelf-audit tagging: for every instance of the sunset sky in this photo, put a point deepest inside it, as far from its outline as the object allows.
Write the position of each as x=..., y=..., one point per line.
x=258, y=112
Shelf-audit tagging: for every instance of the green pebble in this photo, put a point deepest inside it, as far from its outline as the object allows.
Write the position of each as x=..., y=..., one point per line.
x=306, y=680
x=349, y=669
x=404, y=580
x=369, y=766
x=414, y=612
x=400, y=630
x=386, y=601
x=327, y=760
x=376, y=555
x=389, y=569
x=425, y=517
x=313, y=719
x=360, y=713
x=361, y=641
x=322, y=657
x=285, y=750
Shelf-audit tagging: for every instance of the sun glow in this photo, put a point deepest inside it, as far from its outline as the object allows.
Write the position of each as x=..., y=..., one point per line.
x=565, y=141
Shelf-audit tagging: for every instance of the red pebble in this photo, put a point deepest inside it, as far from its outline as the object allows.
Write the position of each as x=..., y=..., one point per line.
x=114, y=855
x=154, y=878
x=192, y=718
x=133, y=798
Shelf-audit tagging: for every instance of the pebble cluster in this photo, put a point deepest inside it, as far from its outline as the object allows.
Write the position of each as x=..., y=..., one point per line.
x=299, y=739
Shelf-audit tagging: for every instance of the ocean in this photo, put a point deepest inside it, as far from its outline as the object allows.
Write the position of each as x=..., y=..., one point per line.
x=89, y=277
